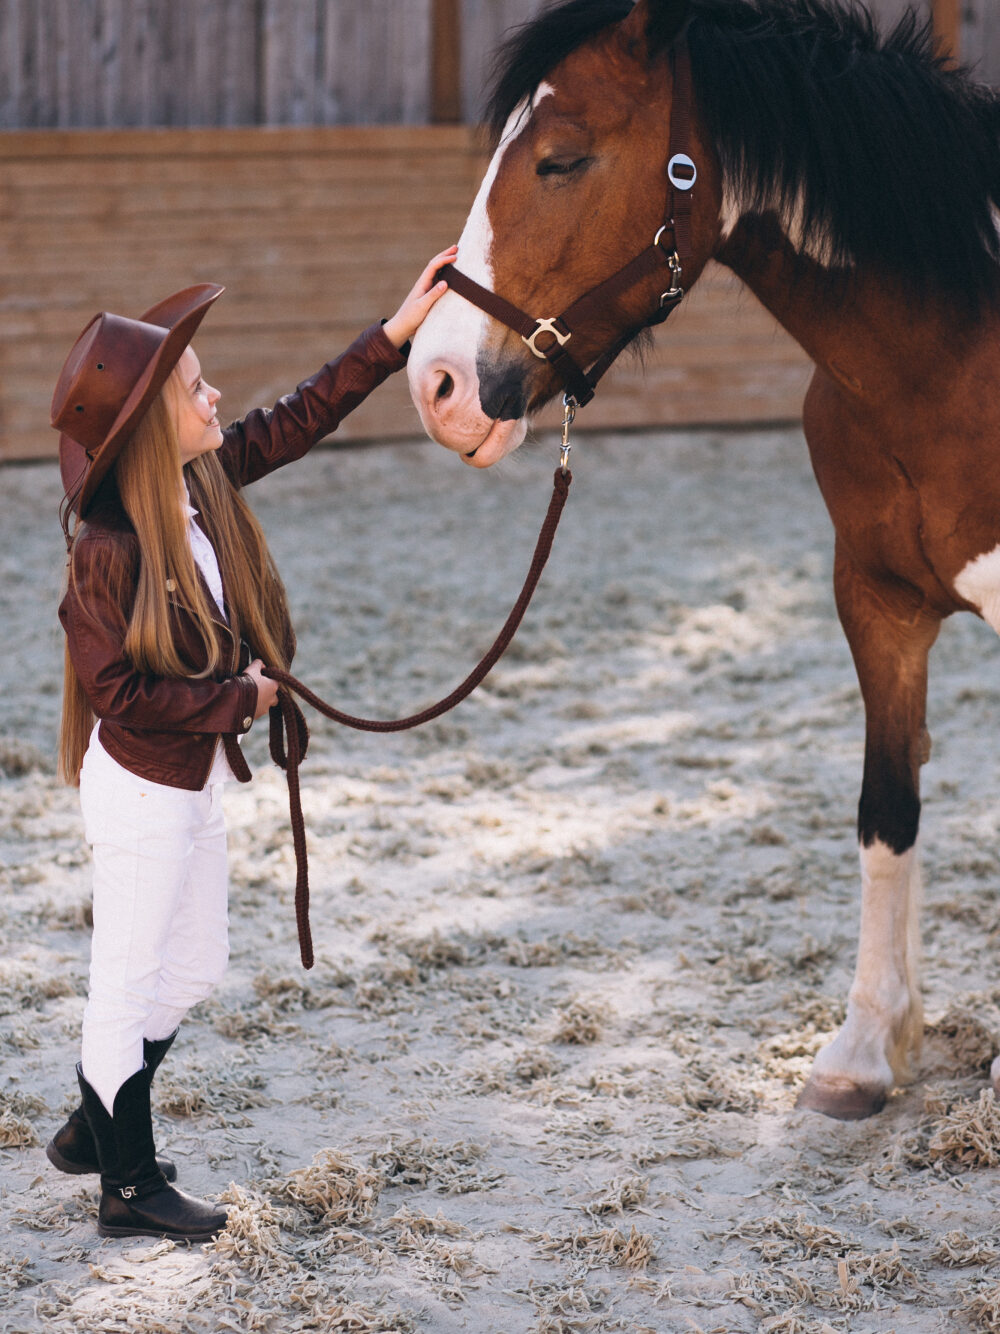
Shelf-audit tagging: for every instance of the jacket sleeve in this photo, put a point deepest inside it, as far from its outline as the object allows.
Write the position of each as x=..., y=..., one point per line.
x=267, y=438
x=95, y=626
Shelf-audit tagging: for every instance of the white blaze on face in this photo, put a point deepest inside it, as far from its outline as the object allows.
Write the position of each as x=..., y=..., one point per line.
x=451, y=336
x=455, y=323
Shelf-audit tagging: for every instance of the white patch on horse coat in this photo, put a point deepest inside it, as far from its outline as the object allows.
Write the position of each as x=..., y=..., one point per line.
x=818, y=248
x=476, y=242
x=884, y=1009
x=729, y=213
x=979, y=583
x=453, y=322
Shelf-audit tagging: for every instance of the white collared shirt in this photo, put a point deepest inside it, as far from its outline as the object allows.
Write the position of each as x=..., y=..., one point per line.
x=204, y=556
x=208, y=563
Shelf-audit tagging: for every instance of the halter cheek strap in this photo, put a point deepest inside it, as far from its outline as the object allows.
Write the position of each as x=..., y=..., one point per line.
x=549, y=338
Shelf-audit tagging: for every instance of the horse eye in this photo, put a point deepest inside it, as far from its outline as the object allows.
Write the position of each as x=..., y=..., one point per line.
x=556, y=166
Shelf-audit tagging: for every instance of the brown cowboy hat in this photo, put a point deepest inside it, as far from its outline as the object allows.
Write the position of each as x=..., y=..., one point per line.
x=112, y=375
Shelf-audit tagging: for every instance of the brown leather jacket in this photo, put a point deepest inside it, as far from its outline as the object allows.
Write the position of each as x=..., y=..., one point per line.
x=165, y=728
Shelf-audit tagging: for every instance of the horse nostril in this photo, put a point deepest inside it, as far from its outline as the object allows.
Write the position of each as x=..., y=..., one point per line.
x=502, y=394
x=445, y=388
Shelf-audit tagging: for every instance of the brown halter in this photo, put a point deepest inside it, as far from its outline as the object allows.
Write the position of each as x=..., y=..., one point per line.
x=682, y=174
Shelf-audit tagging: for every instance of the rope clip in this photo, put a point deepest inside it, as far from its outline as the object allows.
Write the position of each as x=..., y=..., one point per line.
x=570, y=406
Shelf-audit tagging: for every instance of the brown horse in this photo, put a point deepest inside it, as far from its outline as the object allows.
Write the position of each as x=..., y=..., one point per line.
x=850, y=180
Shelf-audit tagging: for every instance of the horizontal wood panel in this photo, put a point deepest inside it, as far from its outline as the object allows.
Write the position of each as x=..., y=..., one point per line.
x=118, y=220
x=221, y=63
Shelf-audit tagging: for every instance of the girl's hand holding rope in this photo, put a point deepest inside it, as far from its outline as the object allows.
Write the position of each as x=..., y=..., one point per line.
x=267, y=690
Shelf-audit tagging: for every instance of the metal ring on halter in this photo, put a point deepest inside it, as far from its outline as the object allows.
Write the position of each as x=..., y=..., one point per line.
x=668, y=224
x=545, y=326
x=681, y=182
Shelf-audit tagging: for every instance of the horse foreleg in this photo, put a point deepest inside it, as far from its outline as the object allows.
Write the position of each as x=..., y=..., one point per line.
x=890, y=641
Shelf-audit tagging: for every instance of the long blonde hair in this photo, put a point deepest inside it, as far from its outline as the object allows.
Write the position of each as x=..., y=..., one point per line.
x=150, y=479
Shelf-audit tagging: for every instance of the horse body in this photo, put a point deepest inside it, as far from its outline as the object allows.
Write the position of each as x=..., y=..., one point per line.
x=902, y=415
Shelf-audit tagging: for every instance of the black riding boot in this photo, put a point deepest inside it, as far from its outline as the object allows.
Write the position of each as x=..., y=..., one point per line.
x=72, y=1147
x=136, y=1200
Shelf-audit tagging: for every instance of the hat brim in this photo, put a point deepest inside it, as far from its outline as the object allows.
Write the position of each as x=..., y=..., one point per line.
x=180, y=315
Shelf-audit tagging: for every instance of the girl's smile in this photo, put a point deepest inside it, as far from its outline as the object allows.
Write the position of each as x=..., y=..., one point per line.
x=193, y=404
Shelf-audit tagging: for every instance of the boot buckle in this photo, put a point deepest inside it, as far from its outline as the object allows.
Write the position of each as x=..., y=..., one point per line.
x=127, y=1192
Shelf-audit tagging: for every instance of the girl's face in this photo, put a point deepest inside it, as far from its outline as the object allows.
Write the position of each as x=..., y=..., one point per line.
x=192, y=404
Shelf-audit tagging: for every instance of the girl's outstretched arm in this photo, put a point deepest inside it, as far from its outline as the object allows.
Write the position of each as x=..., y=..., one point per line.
x=425, y=291
x=268, y=438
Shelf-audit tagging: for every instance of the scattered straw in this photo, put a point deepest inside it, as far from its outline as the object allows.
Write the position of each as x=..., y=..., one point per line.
x=619, y=1195
x=969, y=1136
x=886, y=1269
x=971, y=1043
x=608, y=1247
x=553, y=950
x=983, y=1307
x=449, y=1167
x=958, y=1250
x=580, y=1022
x=227, y=1090
x=60, y=1215
x=16, y=1132
x=14, y=1273
x=534, y=1064
x=415, y=1220
x=333, y=1189
x=25, y=986
x=252, y=1237
x=284, y=994
x=783, y=1238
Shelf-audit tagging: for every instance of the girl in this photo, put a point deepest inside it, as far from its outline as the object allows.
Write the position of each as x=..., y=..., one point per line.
x=172, y=608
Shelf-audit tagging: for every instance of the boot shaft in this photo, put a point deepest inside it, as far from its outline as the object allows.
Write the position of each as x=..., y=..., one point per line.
x=126, y=1151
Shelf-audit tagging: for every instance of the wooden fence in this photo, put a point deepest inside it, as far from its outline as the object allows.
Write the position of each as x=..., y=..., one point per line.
x=314, y=232
x=133, y=63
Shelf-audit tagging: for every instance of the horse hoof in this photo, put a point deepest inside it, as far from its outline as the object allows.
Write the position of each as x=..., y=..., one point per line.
x=842, y=1100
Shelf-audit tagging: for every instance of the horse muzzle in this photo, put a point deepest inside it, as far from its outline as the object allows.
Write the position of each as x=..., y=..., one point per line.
x=476, y=410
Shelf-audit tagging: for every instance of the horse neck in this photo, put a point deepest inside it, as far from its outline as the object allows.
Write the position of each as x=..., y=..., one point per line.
x=859, y=332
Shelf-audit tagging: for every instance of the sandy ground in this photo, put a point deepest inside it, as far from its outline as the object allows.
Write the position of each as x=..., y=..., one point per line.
x=576, y=943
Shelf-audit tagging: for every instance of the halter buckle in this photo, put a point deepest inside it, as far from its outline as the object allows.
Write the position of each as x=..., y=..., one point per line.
x=545, y=326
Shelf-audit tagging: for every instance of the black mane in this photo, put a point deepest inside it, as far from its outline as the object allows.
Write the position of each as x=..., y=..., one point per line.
x=871, y=151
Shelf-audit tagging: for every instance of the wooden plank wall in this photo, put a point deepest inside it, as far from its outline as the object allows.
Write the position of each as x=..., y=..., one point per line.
x=132, y=63
x=314, y=232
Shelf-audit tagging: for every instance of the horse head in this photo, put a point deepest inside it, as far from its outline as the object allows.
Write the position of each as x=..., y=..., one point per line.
x=577, y=186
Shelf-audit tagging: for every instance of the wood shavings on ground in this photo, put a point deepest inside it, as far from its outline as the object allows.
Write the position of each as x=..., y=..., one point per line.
x=577, y=944
x=332, y=1190
x=958, y=1250
x=969, y=1135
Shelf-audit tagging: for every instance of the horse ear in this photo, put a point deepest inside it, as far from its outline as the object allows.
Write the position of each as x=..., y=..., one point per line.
x=659, y=21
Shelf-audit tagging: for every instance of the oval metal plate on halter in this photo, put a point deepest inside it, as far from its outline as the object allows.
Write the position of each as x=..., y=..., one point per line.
x=681, y=182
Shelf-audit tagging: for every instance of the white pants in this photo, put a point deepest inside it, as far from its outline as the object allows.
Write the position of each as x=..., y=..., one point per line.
x=161, y=922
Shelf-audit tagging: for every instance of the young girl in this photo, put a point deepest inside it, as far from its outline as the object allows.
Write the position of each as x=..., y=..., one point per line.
x=173, y=607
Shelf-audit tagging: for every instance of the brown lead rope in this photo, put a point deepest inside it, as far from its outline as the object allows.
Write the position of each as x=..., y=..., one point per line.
x=289, y=736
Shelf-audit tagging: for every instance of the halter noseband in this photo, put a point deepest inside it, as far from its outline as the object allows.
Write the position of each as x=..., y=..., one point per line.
x=682, y=174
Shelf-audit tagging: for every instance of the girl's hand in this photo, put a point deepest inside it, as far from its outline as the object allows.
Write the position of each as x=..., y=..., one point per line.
x=425, y=291
x=267, y=690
